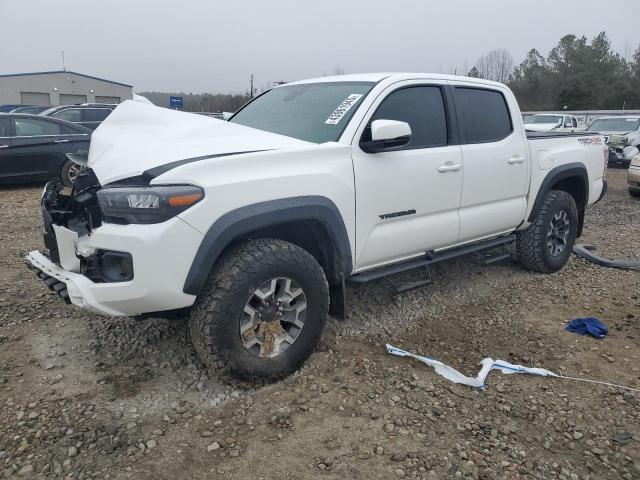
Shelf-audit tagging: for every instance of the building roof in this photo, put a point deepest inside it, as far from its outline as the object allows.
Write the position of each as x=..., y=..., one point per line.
x=64, y=71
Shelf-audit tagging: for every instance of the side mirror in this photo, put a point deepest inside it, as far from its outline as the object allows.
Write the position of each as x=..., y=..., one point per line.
x=386, y=135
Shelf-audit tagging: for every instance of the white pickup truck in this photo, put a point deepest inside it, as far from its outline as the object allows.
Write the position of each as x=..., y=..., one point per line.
x=251, y=227
x=549, y=122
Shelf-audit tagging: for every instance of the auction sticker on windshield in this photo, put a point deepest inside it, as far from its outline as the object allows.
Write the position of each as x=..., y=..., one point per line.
x=343, y=108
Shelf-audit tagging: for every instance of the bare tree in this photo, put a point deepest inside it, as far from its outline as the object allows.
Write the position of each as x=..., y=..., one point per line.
x=496, y=65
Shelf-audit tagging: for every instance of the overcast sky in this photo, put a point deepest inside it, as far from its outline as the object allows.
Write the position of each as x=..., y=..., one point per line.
x=214, y=45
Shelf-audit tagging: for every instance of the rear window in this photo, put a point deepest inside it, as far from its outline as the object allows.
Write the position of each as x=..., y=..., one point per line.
x=483, y=115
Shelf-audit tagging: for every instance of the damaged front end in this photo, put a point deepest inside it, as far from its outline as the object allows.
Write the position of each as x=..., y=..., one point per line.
x=77, y=212
x=620, y=151
x=68, y=220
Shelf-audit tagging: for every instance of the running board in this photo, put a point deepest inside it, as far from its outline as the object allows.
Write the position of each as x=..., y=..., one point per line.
x=430, y=258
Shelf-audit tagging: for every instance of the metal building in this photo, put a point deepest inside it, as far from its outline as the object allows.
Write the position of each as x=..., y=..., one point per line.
x=60, y=88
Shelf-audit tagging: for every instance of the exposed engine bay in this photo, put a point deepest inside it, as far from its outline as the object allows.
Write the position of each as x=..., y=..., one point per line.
x=79, y=211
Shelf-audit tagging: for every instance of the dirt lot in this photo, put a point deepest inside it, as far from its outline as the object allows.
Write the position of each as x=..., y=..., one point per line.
x=84, y=396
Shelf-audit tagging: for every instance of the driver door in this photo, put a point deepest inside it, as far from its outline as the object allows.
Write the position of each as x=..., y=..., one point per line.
x=407, y=198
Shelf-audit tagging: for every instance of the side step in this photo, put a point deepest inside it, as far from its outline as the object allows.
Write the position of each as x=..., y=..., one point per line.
x=400, y=288
x=430, y=258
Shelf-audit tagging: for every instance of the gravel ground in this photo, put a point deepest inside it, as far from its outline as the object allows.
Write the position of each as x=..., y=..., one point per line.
x=84, y=396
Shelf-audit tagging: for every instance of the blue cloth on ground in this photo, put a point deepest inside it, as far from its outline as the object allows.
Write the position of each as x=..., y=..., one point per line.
x=592, y=326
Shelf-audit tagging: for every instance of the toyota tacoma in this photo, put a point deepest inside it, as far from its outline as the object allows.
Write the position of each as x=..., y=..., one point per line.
x=251, y=227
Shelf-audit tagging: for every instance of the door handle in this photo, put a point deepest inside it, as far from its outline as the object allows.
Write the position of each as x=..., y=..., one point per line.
x=515, y=159
x=449, y=167
x=4, y=146
x=61, y=141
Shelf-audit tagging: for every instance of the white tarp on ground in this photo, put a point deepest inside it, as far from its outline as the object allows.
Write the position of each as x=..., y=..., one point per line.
x=488, y=364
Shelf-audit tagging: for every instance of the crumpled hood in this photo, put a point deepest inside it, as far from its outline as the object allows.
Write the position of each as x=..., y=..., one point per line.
x=137, y=137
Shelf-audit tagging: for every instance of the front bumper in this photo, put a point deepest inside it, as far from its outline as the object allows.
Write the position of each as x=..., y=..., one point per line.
x=162, y=254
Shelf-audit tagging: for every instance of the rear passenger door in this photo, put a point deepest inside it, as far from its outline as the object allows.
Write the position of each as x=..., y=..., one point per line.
x=495, y=161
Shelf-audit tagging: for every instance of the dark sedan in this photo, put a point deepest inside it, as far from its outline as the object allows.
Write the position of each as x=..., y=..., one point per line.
x=33, y=149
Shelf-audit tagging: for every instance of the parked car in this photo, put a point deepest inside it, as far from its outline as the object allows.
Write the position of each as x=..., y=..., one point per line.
x=31, y=109
x=550, y=122
x=633, y=177
x=310, y=185
x=89, y=115
x=34, y=149
x=622, y=135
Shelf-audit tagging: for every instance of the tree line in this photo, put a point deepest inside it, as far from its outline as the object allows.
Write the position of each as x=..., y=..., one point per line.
x=200, y=102
x=577, y=74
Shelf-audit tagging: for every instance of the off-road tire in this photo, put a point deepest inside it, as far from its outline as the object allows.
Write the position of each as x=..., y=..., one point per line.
x=214, y=320
x=634, y=193
x=64, y=173
x=531, y=243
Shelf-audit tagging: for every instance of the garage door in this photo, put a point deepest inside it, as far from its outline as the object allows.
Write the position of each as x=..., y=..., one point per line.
x=35, y=98
x=68, y=99
x=103, y=99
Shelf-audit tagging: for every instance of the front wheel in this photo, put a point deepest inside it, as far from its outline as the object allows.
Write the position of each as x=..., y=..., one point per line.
x=261, y=311
x=546, y=244
x=69, y=172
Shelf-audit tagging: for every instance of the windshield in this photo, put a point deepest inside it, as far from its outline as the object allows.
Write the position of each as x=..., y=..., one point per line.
x=614, y=125
x=544, y=119
x=314, y=112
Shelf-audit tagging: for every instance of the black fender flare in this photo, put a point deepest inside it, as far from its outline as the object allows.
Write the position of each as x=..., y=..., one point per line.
x=244, y=220
x=557, y=174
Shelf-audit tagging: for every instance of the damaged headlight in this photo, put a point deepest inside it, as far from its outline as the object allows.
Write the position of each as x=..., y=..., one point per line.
x=621, y=140
x=153, y=204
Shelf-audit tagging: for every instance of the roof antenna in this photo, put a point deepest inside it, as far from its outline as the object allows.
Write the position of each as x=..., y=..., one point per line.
x=64, y=69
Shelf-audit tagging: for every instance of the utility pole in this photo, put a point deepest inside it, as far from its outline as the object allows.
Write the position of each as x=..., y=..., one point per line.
x=251, y=89
x=64, y=69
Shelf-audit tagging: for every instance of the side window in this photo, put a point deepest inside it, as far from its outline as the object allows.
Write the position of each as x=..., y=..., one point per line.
x=4, y=127
x=483, y=115
x=29, y=127
x=574, y=122
x=96, y=114
x=423, y=109
x=70, y=115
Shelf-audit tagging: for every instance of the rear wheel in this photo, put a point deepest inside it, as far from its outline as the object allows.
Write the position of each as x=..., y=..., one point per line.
x=546, y=244
x=634, y=193
x=69, y=172
x=262, y=310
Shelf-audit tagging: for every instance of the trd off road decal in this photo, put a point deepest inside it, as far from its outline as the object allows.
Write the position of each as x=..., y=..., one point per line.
x=343, y=108
x=591, y=141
